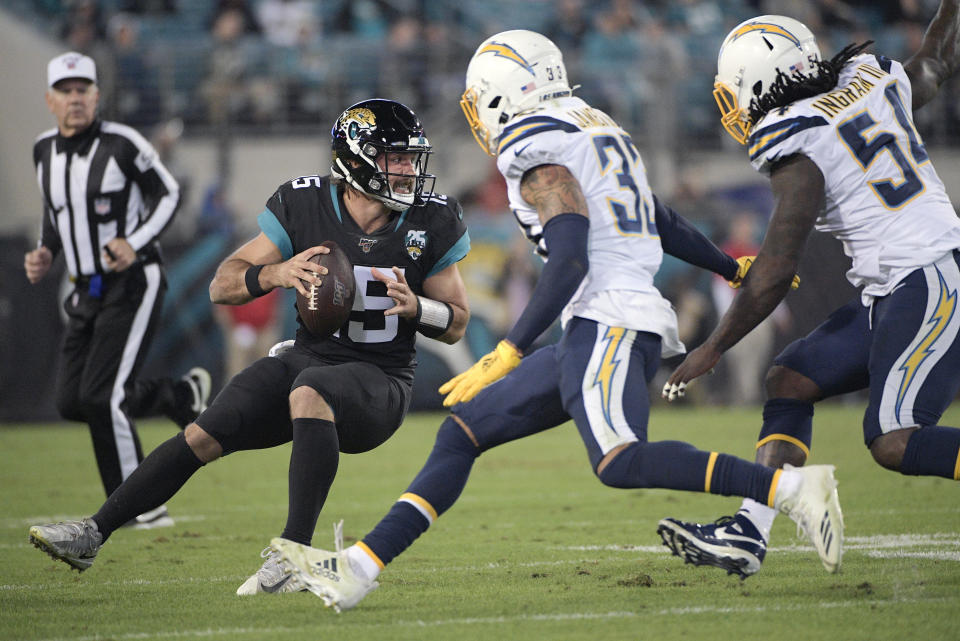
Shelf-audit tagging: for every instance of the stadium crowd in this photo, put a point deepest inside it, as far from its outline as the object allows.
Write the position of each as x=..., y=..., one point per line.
x=279, y=64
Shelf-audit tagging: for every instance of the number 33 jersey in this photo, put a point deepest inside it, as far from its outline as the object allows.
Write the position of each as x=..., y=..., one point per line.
x=421, y=240
x=623, y=244
x=884, y=200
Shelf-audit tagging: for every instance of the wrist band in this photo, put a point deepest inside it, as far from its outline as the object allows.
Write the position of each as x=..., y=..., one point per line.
x=252, y=280
x=433, y=317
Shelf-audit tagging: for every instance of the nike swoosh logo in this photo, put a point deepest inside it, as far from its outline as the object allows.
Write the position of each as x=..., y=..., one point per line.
x=276, y=587
x=517, y=152
x=734, y=537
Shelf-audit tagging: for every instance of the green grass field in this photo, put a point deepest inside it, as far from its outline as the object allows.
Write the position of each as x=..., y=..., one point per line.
x=536, y=548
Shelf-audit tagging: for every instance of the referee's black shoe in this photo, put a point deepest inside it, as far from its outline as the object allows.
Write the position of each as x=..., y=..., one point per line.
x=192, y=394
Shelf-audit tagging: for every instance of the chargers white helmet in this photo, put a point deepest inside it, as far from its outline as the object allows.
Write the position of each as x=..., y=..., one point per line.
x=510, y=72
x=751, y=57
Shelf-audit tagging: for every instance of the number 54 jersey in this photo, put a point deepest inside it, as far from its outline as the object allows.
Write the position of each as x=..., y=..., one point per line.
x=623, y=244
x=884, y=200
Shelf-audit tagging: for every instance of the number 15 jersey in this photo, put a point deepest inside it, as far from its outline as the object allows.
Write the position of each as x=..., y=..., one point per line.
x=421, y=240
x=884, y=200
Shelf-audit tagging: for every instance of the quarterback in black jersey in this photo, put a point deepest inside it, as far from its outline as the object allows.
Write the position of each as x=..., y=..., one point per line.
x=345, y=393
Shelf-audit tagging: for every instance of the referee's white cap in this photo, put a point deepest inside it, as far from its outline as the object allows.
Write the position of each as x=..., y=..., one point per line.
x=71, y=65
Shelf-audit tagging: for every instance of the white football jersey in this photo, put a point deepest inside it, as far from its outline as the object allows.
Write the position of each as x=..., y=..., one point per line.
x=884, y=200
x=623, y=243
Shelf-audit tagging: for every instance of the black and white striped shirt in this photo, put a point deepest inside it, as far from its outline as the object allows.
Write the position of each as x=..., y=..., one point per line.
x=104, y=183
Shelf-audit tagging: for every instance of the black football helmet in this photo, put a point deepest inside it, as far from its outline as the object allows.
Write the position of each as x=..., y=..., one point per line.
x=364, y=138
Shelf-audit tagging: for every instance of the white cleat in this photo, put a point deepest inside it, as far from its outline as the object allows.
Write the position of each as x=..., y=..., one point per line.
x=815, y=508
x=326, y=574
x=153, y=519
x=271, y=578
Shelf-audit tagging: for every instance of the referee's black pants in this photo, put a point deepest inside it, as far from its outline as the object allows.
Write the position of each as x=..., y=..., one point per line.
x=107, y=338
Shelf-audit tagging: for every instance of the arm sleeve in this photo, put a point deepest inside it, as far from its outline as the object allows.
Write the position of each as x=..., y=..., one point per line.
x=682, y=240
x=161, y=193
x=568, y=263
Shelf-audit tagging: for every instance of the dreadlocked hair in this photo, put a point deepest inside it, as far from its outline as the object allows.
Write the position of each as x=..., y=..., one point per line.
x=797, y=86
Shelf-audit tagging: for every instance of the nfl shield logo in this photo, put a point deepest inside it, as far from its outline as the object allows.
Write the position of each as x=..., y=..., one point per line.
x=102, y=206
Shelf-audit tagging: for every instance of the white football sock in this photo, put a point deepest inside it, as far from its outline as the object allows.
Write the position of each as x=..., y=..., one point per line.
x=361, y=563
x=789, y=484
x=760, y=515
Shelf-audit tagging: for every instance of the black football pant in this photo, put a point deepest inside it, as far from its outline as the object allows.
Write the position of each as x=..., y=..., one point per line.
x=108, y=334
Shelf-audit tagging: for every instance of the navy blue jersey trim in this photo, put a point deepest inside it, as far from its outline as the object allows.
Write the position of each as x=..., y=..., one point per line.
x=530, y=127
x=885, y=63
x=272, y=228
x=763, y=139
x=455, y=254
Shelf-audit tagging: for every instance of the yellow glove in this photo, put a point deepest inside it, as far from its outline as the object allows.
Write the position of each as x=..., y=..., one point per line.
x=488, y=369
x=744, y=263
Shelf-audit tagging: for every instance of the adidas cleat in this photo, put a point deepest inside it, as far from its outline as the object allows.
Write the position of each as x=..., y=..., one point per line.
x=815, y=508
x=326, y=574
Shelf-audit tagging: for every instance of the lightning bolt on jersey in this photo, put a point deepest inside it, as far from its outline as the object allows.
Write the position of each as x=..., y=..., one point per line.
x=624, y=246
x=884, y=200
x=422, y=241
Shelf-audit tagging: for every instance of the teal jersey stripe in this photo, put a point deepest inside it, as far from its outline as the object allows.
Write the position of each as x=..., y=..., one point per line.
x=453, y=255
x=402, y=217
x=270, y=226
x=336, y=201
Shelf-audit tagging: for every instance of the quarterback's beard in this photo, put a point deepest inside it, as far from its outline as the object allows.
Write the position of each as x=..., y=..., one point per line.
x=404, y=186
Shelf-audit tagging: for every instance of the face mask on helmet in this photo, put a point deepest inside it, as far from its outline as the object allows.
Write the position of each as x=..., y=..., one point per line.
x=510, y=72
x=750, y=59
x=379, y=148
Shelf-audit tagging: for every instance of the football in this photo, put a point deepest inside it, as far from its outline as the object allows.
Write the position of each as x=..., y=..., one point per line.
x=327, y=307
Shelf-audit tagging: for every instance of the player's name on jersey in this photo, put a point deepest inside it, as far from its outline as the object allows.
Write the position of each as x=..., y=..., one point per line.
x=590, y=117
x=858, y=87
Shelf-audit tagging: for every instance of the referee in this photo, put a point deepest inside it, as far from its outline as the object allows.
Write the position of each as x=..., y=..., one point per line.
x=107, y=197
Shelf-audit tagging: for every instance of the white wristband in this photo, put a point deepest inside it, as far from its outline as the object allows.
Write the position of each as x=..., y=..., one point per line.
x=433, y=316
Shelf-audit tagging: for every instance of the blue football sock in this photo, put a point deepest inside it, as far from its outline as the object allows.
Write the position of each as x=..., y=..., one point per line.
x=434, y=490
x=933, y=451
x=787, y=419
x=675, y=465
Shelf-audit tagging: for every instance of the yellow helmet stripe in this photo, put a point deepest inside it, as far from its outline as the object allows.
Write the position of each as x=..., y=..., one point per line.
x=508, y=52
x=765, y=27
